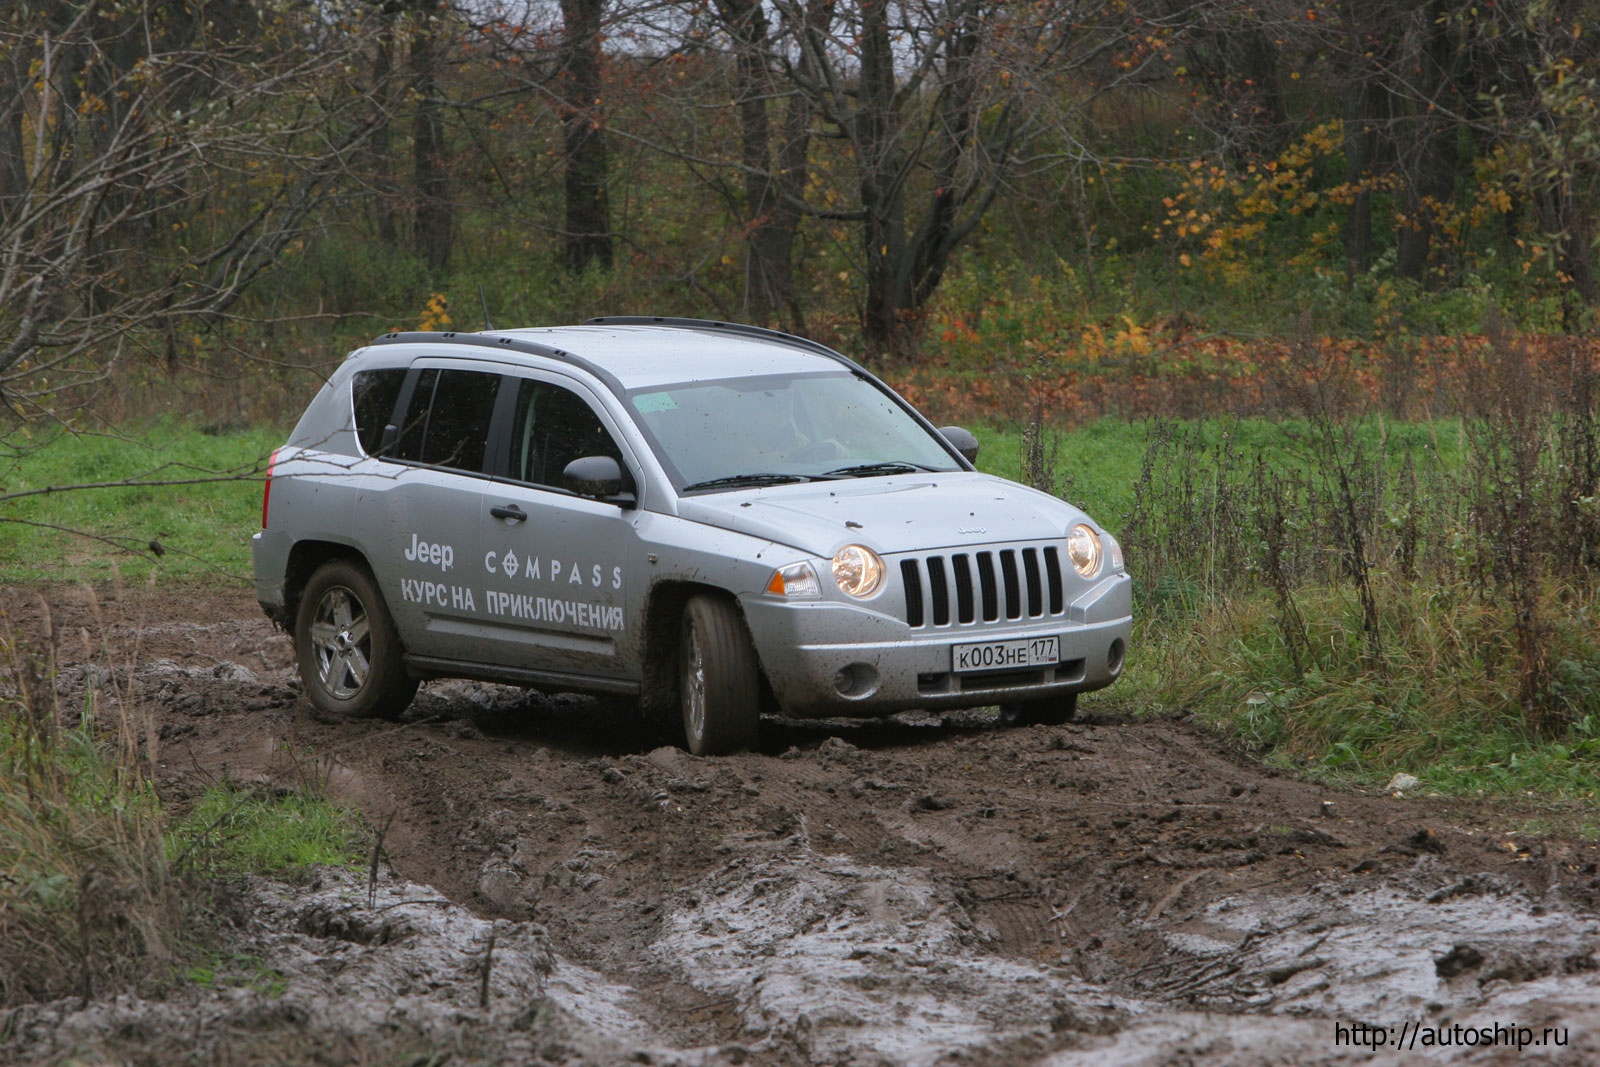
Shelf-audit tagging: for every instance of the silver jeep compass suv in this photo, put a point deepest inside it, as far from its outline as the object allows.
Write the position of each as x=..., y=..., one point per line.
x=714, y=519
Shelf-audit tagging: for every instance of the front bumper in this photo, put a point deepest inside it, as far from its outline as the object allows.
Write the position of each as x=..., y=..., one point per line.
x=826, y=659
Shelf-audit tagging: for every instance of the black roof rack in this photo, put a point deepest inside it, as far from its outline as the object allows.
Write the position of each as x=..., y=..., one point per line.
x=515, y=344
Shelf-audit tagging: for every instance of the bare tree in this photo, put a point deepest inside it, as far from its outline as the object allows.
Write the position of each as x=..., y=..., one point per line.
x=588, y=225
x=774, y=149
x=1428, y=88
x=380, y=179
x=904, y=120
x=435, y=214
x=1427, y=155
x=156, y=164
x=942, y=104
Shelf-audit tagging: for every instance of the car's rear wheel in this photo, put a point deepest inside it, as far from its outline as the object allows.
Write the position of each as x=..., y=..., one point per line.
x=1052, y=711
x=344, y=638
x=719, y=680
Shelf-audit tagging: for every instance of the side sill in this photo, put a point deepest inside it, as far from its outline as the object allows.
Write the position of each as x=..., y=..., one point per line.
x=425, y=667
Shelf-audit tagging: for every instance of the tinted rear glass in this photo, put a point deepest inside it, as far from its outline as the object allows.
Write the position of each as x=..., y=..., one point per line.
x=458, y=423
x=447, y=424
x=416, y=421
x=372, y=394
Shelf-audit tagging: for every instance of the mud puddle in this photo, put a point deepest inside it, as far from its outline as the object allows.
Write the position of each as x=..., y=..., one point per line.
x=922, y=890
x=849, y=963
x=392, y=968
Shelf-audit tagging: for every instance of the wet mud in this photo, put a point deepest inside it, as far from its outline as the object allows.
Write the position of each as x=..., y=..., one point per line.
x=920, y=890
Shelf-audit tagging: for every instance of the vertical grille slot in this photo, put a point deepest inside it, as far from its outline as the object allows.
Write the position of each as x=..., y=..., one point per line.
x=988, y=587
x=963, y=570
x=913, y=583
x=965, y=588
x=1008, y=573
x=939, y=591
x=1052, y=573
x=1030, y=570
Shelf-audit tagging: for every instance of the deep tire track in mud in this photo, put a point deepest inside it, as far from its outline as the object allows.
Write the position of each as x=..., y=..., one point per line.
x=915, y=890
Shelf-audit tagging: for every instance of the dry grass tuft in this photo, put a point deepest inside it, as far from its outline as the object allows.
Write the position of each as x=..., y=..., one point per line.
x=88, y=902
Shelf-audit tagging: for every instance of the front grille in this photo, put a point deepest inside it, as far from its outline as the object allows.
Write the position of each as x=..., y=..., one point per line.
x=984, y=586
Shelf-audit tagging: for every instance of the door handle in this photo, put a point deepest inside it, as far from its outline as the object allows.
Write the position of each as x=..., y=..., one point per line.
x=508, y=511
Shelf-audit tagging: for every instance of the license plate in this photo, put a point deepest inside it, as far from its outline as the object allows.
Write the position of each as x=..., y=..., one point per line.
x=1006, y=655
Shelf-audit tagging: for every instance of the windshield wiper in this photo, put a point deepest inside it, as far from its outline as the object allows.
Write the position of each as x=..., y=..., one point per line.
x=893, y=466
x=735, y=480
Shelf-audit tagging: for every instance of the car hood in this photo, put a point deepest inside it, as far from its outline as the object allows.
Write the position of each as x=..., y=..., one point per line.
x=900, y=513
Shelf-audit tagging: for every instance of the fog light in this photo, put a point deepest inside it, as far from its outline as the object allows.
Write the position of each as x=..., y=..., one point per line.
x=1115, y=656
x=856, y=681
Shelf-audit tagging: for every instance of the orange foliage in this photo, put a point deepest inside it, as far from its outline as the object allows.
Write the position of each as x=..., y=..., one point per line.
x=1174, y=373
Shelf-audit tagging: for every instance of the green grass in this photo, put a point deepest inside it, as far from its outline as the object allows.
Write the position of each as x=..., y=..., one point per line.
x=233, y=829
x=1442, y=701
x=1439, y=701
x=99, y=886
x=87, y=896
x=237, y=971
x=1098, y=463
x=203, y=529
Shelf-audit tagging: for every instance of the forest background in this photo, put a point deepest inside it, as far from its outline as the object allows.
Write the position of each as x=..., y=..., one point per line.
x=1299, y=298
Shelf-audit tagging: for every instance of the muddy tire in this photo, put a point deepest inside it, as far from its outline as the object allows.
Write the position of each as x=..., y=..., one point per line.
x=1052, y=711
x=349, y=653
x=719, y=680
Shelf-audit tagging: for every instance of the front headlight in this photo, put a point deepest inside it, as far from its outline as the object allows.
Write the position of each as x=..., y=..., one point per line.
x=1083, y=548
x=858, y=570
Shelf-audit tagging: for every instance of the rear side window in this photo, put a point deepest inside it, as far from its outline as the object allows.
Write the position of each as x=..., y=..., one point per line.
x=372, y=394
x=448, y=423
x=409, y=446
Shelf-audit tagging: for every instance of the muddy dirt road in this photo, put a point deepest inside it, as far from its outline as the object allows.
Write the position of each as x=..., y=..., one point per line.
x=922, y=890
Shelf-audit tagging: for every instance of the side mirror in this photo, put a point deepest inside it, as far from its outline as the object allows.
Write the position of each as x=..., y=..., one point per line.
x=962, y=440
x=600, y=477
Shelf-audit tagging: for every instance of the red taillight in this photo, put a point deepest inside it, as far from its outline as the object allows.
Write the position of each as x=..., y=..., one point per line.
x=266, y=490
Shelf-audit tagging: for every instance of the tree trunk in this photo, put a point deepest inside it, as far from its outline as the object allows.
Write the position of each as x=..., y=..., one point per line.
x=381, y=180
x=1561, y=215
x=13, y=169
x=904, y=268
x=877, y=130
x=1428, y=153
x=588, y=224
x=1362, y=99
x=936, y=239
x=771, y=195
x=429, y=174
x=771, y=279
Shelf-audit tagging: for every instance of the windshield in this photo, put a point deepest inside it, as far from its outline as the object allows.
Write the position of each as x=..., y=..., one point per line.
x=773, y=429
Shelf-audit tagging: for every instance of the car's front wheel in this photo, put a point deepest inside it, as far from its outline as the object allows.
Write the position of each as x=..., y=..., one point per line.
x=1052, y=711
x=719, y=680
x=349, y=652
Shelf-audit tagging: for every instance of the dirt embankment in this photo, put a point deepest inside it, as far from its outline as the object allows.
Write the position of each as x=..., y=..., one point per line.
x=921, y=890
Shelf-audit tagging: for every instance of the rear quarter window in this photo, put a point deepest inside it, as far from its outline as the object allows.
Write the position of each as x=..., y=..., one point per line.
x=373, y=394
